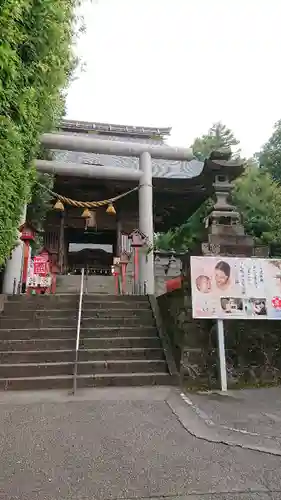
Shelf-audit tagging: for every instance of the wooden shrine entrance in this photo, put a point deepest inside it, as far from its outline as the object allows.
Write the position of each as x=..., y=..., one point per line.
x=91, y=250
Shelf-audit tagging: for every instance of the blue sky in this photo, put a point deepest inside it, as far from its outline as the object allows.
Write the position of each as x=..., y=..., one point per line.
x=181, y=63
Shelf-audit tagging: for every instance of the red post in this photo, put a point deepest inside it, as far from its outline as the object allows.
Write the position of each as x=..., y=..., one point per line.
x=116, y=283
x=136, y=262
x=26, y=255
x=123, y=275
x=27, y=235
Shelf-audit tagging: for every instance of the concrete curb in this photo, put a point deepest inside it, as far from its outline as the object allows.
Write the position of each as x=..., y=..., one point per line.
x=197, y=423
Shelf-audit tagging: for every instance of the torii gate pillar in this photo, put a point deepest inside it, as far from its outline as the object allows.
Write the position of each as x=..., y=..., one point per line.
x=146, y=270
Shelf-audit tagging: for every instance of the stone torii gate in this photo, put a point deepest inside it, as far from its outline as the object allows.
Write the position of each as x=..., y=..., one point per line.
x=145, y=152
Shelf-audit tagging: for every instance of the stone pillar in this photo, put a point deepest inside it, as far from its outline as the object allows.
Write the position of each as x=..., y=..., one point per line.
x=146, y=223
x=13, y=269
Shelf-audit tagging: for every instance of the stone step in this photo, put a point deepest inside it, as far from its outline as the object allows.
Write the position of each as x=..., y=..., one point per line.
x=139, y=314
x=38, y=323
x=37, y=344
x=121, y=366
x=84, y=368
x=43, y=299
x=38, y=314
x=63, y=322
x=125, y=380
x=86, y=313
x=120, y=342
x=25, y=370
x=47, y=305
x=45, y=356
x=121, y=353
x=8, y=334
x=70, y=333
x=68, y=355
x=116, y=304
x=96, y=289
x=40, y=344
x=120, y=322
x=102, y=283
x=56, y=300
x=100, y=380
x=117, y=331
x=114, y=298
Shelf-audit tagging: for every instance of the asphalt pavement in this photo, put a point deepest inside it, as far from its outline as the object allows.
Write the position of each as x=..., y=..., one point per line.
x=109, y=444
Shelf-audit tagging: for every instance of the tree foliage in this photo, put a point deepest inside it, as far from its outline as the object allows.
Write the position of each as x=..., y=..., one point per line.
x=270, y=155
x=258, y=198
x=188, y=235
x=257, y=193
x=36, y=61
x=218, y=136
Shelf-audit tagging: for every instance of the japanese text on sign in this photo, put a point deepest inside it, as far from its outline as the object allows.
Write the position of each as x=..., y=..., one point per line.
x=232, y=287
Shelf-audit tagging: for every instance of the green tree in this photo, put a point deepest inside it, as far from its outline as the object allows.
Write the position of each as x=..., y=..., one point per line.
x=218, y=137
x=258, y=198
x=36, y=61
x=191, y=232
x=270, y=155
x=257, y=194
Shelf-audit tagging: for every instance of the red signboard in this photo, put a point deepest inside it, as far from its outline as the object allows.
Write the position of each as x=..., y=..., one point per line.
x=40, y=266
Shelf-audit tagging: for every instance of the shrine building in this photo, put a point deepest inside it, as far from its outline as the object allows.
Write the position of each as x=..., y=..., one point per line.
x=145, y=185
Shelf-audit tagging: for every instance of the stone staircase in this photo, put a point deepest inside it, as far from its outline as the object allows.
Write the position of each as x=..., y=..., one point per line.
x=97, y=284
x=119, y=343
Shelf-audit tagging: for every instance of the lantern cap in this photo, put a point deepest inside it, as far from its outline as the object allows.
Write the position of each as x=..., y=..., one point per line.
x=28, y=231
x=138, y=238
x=28, y=225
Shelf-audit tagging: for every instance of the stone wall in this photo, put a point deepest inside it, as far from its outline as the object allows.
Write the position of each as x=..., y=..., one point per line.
x=253, y=347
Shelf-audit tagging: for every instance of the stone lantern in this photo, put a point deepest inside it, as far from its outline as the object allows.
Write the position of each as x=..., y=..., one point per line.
x=226, y=233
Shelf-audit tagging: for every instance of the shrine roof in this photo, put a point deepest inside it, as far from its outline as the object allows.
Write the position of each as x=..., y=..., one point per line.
x=114, y=129
x=161, y=169
x=180, y=187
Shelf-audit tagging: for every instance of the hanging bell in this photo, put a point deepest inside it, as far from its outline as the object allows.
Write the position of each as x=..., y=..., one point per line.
x=59, y=206
x=110, y=209
x=86, y=214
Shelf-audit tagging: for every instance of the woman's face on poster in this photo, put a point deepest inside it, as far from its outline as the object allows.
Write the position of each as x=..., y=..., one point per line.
x=221, y=278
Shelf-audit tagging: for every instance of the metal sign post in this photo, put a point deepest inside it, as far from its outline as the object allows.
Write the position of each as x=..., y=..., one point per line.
x=223, y=374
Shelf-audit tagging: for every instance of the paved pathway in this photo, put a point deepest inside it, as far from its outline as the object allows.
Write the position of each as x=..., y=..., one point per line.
x=252, y=410
x=122, y=444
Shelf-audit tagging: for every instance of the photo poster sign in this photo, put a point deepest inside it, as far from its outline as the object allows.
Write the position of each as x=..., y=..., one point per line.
x=235, y=288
